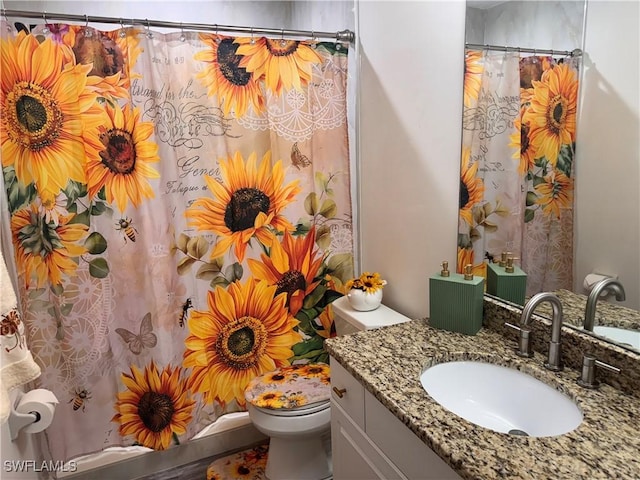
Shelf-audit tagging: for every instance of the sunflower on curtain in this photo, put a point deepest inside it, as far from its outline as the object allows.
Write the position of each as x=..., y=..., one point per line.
x=545, y=148
x=535, y=223
x=181, y=220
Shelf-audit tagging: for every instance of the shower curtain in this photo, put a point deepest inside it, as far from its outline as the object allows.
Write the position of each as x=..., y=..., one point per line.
x=181, y=219
x=516, y=181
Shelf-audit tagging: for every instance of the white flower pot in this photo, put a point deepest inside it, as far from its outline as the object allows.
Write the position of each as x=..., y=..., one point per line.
x=363, y=301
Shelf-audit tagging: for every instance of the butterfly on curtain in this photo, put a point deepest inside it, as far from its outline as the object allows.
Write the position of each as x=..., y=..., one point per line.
x=145, y=339
x=298, y=160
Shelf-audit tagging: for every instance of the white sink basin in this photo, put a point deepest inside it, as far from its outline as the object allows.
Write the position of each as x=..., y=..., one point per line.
x=620, y=335
x=501, y=399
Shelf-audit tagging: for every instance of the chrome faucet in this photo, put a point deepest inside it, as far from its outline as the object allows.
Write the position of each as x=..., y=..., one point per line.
x=608, y=284
x=554, y=360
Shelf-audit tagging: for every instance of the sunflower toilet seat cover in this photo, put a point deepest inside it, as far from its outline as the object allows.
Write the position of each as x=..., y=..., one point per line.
x=290, y=387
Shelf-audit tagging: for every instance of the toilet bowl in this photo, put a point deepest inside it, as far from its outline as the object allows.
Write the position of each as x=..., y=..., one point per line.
x=296, y=449
x=291, y=405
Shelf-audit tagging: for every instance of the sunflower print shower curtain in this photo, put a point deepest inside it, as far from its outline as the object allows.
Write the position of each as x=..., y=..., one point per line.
x=181, y=220
x=516, y=180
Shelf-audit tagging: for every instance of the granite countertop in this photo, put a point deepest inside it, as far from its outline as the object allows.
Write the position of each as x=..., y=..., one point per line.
x=608, y=313
x=388, y=362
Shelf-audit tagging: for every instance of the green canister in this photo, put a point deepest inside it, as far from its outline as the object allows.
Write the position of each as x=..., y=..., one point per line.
x=456, y=300
x=507, y=281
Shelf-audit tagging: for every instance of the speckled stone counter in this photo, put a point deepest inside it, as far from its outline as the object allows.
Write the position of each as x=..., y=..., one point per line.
x=608, y=314
x=389, y=361
x=575, y=343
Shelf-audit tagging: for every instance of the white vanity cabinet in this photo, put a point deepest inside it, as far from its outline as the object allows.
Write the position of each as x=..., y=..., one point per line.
x=369, y=442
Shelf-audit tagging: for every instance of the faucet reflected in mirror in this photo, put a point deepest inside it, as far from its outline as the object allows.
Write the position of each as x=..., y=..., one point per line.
x=607, y=285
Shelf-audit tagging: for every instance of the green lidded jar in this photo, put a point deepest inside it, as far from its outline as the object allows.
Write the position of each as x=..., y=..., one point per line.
x=456, y=301
x=506, y=280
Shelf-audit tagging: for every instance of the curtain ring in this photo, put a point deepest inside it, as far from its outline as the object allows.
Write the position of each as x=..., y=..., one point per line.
x=217, y=34
x=88, y=33
x=338, y=44
x=149, y=34
x=314, y=43
x=253, y=40
x=9, y=26
x=283, y=42
x=123, y=31
x=45, y=30
x=182, y=35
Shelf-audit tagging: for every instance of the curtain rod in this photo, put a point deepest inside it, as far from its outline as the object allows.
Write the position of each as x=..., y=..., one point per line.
x=340, y=36
x=569, y=53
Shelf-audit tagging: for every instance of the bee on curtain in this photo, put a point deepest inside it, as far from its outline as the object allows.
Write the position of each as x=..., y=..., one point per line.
x=125, y=225
x=298, y=159
x=80, y=399
x=185, y=310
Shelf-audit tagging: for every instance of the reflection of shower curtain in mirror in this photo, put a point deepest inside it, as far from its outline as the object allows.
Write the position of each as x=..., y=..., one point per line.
x=181, y=220
x=516, y=183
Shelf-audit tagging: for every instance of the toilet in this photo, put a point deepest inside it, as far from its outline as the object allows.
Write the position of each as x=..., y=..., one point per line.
x=291, y=405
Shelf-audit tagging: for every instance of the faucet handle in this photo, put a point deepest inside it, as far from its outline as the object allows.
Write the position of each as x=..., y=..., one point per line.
x=588, y=377
x=524, y=348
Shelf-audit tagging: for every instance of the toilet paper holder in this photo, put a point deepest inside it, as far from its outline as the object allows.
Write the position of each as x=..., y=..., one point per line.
x=17, y=421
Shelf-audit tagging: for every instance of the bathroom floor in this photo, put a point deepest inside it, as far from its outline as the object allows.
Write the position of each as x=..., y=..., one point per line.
x=244, y=465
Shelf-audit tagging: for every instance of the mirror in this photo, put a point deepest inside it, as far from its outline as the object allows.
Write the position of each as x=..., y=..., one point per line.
x=489, y=223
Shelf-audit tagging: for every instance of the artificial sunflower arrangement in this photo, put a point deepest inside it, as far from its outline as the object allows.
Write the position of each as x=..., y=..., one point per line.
x=367, y=282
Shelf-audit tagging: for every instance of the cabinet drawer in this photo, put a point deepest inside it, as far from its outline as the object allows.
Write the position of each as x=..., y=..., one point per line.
x=351, y=392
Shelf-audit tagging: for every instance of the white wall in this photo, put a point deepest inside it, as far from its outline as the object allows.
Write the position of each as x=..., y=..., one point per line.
x=536, y=24
x=410, y=131
x=608, y=153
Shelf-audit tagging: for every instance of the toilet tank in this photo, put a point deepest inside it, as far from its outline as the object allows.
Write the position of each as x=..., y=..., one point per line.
x=348, y=320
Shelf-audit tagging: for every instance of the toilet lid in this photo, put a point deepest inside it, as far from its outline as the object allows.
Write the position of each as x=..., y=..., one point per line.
x=294, y=388
x=297, y=411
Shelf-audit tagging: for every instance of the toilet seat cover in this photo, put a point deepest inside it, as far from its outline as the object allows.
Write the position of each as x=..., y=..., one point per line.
x=290, y=387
